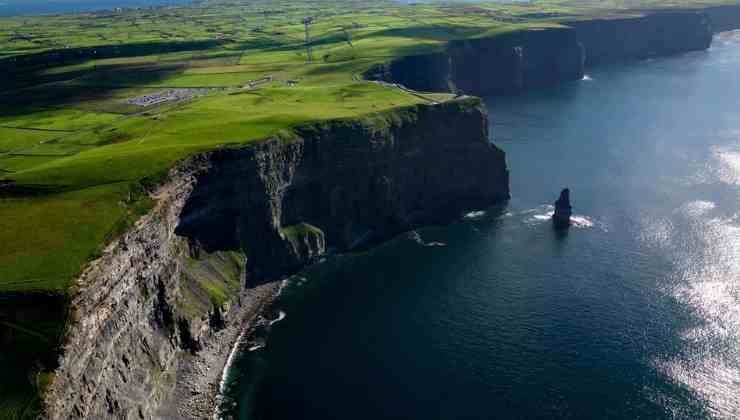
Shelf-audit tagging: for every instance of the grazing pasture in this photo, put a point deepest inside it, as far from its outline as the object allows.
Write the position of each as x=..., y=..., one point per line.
x=80, y=150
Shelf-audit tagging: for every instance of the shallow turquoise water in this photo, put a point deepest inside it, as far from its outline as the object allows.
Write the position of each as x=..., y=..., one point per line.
x=635, y=313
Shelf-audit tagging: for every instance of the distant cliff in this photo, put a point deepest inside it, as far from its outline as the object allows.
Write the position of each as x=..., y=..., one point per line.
x=506, y=63
x=157, y=314
x=655, y=34
x=724, y=18
x=526, y=59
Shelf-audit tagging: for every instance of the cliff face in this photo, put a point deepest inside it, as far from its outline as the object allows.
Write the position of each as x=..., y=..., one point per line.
x=232, y=219
x=353, y=182
x=534, y=58
x=724, y=18
x=652, y=35
x=504, y=64
x=516, y=62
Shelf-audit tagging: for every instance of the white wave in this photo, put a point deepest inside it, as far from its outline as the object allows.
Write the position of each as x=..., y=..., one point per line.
x=475, y=214
x=539, y=214
x=540, y=209
x=544, y=213
x=581, y=221
x=281, y=316
x=546, y=216
x=225, y=373
x=283, y=285
x=587, y=78
x=416, y=237
x=256, y=347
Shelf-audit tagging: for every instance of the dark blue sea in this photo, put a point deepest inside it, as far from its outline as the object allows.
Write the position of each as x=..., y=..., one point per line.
x=633, y=314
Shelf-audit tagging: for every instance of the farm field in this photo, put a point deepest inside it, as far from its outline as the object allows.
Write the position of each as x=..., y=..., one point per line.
x=95, y=108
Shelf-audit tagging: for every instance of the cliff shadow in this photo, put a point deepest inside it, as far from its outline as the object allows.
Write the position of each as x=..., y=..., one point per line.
x=98, y=83
x=31, y=328
x=34, y=69
x=440, y=32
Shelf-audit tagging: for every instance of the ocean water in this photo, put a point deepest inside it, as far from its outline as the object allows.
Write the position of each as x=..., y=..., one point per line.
x=633, y=314
x=38, y=7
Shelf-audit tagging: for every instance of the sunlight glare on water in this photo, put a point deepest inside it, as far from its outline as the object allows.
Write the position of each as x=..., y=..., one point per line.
x=708, y=282
x=632, y=313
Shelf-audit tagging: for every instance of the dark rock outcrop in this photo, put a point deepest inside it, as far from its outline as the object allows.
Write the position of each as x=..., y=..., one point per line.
x=563, y=210
x=353, y=181
x=506, y=63
x=188, y=277
x=652, y=35
x=425, y=72
x=724, y=18
x=521, y=60
x=515, y=62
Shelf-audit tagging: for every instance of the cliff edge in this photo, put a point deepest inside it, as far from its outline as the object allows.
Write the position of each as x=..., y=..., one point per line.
x=531, y=58
x=157, y=314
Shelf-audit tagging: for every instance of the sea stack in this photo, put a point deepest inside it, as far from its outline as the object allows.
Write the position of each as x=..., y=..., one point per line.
x=563, y=210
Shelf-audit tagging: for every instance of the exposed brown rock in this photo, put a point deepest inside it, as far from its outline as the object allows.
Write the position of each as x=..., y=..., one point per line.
x=148, y=340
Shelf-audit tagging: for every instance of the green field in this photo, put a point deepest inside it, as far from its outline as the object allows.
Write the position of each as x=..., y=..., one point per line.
x=71, y=138
x=81, y=155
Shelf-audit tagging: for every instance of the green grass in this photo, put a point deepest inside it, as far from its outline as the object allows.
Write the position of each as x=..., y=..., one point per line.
x=65, y=128
x=15, y=139
x=294, y=233
x=50, y=237
x=76, y=153
x=67, y=131
x=57, y=120
x=209, y=281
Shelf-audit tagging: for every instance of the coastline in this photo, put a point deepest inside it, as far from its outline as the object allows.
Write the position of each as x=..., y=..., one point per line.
x=241, y=342
x=196, y=381
x=200, y=381
x=167, y=302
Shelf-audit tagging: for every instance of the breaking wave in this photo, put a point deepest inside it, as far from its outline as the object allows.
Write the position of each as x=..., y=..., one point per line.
x=416, y=237
x=281, y=316
x=544, y=213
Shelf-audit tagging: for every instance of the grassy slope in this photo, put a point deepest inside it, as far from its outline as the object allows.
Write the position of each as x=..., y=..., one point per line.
x=75, y=136
x=67, y=134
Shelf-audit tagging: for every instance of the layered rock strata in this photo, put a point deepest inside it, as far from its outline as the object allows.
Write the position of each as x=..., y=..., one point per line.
x=522, y=60
x=153, y=309
x=503, y=64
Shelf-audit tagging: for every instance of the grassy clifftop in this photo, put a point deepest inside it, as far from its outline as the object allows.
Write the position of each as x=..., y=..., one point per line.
x=96, y=107
x=78, y=137
x=72, y=192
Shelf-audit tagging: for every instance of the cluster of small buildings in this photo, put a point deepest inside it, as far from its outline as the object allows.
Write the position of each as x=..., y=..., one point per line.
x=169, y=95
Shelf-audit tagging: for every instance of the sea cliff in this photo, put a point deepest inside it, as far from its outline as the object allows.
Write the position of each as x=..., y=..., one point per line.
x=652, y=35
x=156, y=315
x=531, y=58
x=154, y=318
x=506, y=63
x=724, y=18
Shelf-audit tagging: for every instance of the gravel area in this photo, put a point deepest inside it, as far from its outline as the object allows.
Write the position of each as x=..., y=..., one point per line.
x=199, y=376
x=168, y=95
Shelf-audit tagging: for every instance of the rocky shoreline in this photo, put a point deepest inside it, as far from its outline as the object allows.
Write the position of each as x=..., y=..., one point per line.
x=199, y=376
x=211, y=403
x=157, y=316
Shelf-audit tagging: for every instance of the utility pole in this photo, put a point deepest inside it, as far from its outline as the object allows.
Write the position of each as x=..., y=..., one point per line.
x=309, y=52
